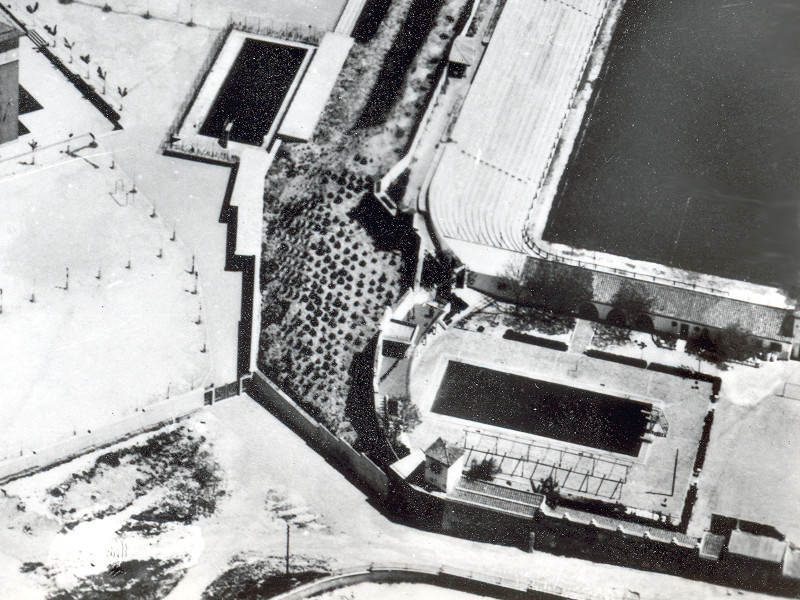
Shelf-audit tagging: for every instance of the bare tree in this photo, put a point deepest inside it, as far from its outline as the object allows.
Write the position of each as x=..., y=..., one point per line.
x=69, y=46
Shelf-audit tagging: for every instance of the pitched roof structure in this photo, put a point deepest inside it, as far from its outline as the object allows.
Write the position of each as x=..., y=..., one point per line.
x=445, y=453
x=695, y=307
x=624, y=527
x=497, y=497
x=464, y=50
x=711, y=546
x=756, y=546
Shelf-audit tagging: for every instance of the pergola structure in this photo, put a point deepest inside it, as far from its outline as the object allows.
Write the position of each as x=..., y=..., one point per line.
x=528, y=461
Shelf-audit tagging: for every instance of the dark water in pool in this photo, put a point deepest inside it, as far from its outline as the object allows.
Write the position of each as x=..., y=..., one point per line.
x=692, y=154
x=253, y=91
x=541, y=408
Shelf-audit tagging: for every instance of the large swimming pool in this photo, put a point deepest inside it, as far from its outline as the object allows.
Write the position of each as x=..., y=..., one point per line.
x=691, y=155
x=541, y=408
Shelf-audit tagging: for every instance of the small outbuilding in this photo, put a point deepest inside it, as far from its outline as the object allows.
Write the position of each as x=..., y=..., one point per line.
x=444, y=464
x=462, y=55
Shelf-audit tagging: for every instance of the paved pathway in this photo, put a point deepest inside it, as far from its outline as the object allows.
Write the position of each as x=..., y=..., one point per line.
x=581, y=336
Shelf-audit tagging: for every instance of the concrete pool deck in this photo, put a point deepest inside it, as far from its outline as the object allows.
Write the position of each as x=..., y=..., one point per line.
x=648, y=477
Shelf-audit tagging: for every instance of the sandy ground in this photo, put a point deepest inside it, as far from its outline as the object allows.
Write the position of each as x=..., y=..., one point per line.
x=753, y=439
x=157, y=61
x=752, y=469
x=270, y=477
x=119, y=338
x=322, y=14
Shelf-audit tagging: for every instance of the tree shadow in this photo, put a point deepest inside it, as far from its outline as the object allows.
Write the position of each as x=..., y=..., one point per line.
x=360, y=406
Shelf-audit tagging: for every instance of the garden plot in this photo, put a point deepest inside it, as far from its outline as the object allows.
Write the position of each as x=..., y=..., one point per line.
x=332, y=261
x=100, y=316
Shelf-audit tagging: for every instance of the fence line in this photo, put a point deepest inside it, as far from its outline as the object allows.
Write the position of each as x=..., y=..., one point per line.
x=150, y=418
x=316, y=435
x=443, y=575
x=285, y=30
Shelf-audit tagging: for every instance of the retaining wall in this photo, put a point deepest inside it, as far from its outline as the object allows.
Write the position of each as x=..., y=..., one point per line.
x=349, y=460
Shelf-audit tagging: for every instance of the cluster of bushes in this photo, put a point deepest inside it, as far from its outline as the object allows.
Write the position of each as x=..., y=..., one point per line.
x=733, y=343
x=325, y=284
x=544, y=296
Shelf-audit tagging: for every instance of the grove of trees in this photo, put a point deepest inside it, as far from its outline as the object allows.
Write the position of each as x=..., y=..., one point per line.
x=544, y=295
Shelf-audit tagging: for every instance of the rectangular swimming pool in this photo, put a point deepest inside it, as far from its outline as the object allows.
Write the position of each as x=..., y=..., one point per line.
x=254, y=91
x=690, y=155
x=542, y=408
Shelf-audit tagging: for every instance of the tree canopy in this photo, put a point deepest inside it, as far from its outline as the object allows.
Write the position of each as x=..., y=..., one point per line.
x=542, y=291
x=631, y=301
x=735, y=343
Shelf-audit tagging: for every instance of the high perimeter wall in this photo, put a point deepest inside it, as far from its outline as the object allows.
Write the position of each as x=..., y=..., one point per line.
x=9, y=83
x=349, y=460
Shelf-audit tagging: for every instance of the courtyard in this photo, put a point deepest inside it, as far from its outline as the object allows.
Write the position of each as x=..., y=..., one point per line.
x=654, y=480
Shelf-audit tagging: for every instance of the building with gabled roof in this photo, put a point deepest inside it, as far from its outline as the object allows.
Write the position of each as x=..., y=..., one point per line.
x=683, y=312
x=444, y=464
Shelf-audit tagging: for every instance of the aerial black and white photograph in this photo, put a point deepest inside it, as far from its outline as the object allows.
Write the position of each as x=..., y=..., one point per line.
x=399, y=299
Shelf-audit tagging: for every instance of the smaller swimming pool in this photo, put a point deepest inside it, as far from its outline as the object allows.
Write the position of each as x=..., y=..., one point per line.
x=542, y=408
x=254, y=91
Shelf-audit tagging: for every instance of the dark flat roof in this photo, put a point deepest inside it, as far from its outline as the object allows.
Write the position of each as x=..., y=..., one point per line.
x=8, y=32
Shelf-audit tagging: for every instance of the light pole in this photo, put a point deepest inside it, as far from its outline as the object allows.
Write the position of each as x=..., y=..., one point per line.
x=287, y=549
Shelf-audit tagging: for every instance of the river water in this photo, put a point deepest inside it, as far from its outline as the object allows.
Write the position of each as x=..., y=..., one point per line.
x=691, y=154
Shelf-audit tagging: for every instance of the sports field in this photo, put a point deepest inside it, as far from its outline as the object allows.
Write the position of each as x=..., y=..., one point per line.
x=541, y=408
x=690, y=155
